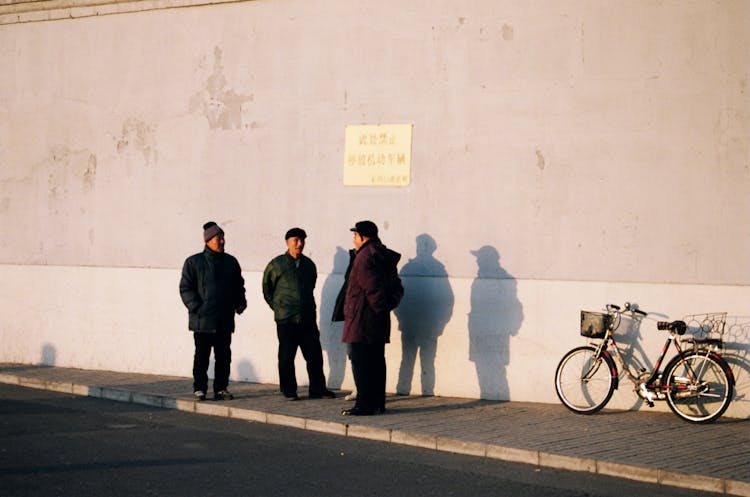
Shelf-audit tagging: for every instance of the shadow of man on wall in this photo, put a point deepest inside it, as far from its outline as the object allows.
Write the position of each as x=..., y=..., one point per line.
x=246, y=371
x=424, y=311
x=49, y=355
x=330, y=331
x=496, y=314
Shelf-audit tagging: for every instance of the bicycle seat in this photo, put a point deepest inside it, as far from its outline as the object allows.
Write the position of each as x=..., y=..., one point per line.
x=679, y=326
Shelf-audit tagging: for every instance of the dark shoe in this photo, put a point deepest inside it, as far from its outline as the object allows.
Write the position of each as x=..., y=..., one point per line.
x=199, y=396
x=325, y=394
x=223, y=395
x=357, y=411
x=290, y=396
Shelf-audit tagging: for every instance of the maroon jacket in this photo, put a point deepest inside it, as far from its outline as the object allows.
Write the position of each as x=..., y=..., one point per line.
x=366, y=316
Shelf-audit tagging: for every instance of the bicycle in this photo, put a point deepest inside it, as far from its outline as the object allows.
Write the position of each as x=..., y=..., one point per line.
x=696, y=383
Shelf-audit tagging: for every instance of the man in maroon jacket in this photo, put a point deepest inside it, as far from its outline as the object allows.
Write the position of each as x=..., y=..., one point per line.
x=367, y=317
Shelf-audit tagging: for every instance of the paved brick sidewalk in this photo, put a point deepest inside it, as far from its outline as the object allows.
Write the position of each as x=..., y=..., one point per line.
x=651, y=447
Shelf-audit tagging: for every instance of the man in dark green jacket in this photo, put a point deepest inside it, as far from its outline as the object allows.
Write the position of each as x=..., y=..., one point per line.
x=288, y=284
x=212, y=289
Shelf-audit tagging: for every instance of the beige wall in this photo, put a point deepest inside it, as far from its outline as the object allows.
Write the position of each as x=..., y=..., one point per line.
x=601, y=149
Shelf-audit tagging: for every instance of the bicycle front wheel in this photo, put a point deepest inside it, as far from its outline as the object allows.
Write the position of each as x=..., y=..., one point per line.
x=699, y=389
x=585, y=383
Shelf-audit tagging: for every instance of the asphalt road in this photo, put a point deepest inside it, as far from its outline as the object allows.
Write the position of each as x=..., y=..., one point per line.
x=55, y=444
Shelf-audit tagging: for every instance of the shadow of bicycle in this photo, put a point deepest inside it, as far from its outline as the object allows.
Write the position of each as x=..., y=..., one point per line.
x=737, y=353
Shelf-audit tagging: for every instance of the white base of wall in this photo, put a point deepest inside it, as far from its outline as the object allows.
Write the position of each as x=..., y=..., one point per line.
x=494, y=346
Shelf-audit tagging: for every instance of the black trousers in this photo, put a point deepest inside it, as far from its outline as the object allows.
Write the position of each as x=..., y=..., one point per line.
x=221, y=343
x=368, y=366
x=306, y=337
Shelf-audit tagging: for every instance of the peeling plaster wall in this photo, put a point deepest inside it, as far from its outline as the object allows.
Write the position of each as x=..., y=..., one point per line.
x=560, y=151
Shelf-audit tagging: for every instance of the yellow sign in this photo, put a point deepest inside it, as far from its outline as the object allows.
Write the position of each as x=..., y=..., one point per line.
x=377, y=155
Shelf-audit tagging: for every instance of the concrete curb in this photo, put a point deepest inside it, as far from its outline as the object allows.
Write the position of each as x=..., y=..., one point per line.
x=444, y=444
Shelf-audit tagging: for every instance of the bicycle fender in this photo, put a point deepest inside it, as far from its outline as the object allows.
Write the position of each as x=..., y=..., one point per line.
x=612, y=368
x=724, y=365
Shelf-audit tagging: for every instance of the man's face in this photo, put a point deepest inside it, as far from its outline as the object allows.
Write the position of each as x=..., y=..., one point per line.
x=295, y=245
x=216, y=243
x=358, y=240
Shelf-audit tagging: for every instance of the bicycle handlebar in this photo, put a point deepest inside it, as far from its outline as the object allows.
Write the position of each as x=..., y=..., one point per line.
x=628, y=307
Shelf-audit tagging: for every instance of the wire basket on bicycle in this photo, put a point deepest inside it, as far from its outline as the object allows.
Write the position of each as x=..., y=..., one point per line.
x=595, y=324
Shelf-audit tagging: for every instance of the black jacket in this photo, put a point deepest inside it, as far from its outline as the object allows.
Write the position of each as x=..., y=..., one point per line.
x=212, y=289
x=288, y=289
x=338, y=307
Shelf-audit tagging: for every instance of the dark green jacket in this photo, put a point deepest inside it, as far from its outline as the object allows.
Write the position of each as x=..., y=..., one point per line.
x=288, y=290
x=212, y=289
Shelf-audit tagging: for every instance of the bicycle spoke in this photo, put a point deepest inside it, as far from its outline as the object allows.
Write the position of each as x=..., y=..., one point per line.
x=583, y=381
x=701, y=390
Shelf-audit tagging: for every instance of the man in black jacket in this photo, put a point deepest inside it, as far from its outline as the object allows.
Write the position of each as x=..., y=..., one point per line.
x=370, y=297
x=288, y=284
x=212, y=289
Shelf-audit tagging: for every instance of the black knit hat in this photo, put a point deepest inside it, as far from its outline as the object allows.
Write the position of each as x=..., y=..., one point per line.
x=210, y=230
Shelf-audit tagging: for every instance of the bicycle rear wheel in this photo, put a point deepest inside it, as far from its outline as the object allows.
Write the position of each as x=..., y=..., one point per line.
x=584, y=383
x=699, y=389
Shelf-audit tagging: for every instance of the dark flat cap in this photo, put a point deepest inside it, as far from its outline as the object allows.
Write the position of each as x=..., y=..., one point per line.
x=366, y=229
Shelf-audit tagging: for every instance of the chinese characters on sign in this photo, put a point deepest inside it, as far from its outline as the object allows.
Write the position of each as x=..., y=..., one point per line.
x=377, y=155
